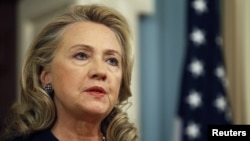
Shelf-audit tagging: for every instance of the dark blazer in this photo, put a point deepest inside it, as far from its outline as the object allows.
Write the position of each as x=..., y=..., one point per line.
x=44, y=135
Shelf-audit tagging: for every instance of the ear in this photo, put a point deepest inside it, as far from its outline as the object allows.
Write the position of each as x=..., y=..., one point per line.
x=45, y=77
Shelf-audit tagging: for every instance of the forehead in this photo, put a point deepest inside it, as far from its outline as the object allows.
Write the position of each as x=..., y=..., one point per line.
x=94, y=34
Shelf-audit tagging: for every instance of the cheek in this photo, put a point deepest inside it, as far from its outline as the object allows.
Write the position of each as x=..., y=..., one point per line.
x=65, y=78
x=60, y=80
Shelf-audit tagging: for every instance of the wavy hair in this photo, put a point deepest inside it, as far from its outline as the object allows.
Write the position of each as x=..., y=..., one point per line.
x=36, y=110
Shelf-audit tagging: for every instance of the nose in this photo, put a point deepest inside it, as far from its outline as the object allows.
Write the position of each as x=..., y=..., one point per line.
x=98, y=70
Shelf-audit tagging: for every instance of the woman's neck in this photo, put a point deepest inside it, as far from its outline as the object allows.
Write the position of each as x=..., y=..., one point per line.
x=77, y=130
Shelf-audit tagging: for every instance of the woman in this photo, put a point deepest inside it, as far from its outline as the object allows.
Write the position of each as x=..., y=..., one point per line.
x=75, y=80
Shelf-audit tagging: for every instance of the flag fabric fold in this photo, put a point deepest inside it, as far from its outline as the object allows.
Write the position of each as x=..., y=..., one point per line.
x=203, y=96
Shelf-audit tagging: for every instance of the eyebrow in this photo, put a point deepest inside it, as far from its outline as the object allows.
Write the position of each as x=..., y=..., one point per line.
x=87, y=47
x=91, y=48
x=111, y=51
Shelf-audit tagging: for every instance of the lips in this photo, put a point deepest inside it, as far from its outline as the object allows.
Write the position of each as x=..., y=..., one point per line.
x=96, y=91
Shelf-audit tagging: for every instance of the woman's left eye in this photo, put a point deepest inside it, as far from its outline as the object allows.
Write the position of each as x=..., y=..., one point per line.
x=113, y=61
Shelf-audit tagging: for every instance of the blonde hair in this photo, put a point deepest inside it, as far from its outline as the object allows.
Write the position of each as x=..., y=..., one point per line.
x=36, y=110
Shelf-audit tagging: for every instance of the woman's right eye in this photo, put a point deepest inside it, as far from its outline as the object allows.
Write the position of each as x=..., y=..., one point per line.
x=81, y=56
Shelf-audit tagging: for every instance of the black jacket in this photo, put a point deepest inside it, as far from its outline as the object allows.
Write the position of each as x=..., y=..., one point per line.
x=44, y=135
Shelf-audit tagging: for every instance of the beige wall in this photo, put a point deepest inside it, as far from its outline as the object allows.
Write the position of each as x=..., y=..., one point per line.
x=237, y=50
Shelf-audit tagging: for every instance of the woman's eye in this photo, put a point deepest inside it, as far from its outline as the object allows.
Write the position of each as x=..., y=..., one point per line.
x=113, y=61
x=81, y=56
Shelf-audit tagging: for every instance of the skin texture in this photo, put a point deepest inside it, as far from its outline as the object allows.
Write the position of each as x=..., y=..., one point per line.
x=89, y=56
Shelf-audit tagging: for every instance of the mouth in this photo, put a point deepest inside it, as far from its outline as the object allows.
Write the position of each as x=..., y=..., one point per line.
x=96, y=91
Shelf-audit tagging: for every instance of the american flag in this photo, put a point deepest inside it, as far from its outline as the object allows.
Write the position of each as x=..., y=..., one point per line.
x=203, y=97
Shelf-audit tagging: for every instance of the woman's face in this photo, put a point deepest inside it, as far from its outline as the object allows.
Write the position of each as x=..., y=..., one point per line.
x=86, y=72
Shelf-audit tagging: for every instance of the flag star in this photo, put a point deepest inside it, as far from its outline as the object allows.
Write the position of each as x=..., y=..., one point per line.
x=193, y=130
x=198, y=37
x=220, y=72
x=194, y=99
x=200, y=6
x=196, y=68
x=220, y=103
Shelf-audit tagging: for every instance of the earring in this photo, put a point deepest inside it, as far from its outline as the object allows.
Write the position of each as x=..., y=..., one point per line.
x=48, y=88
